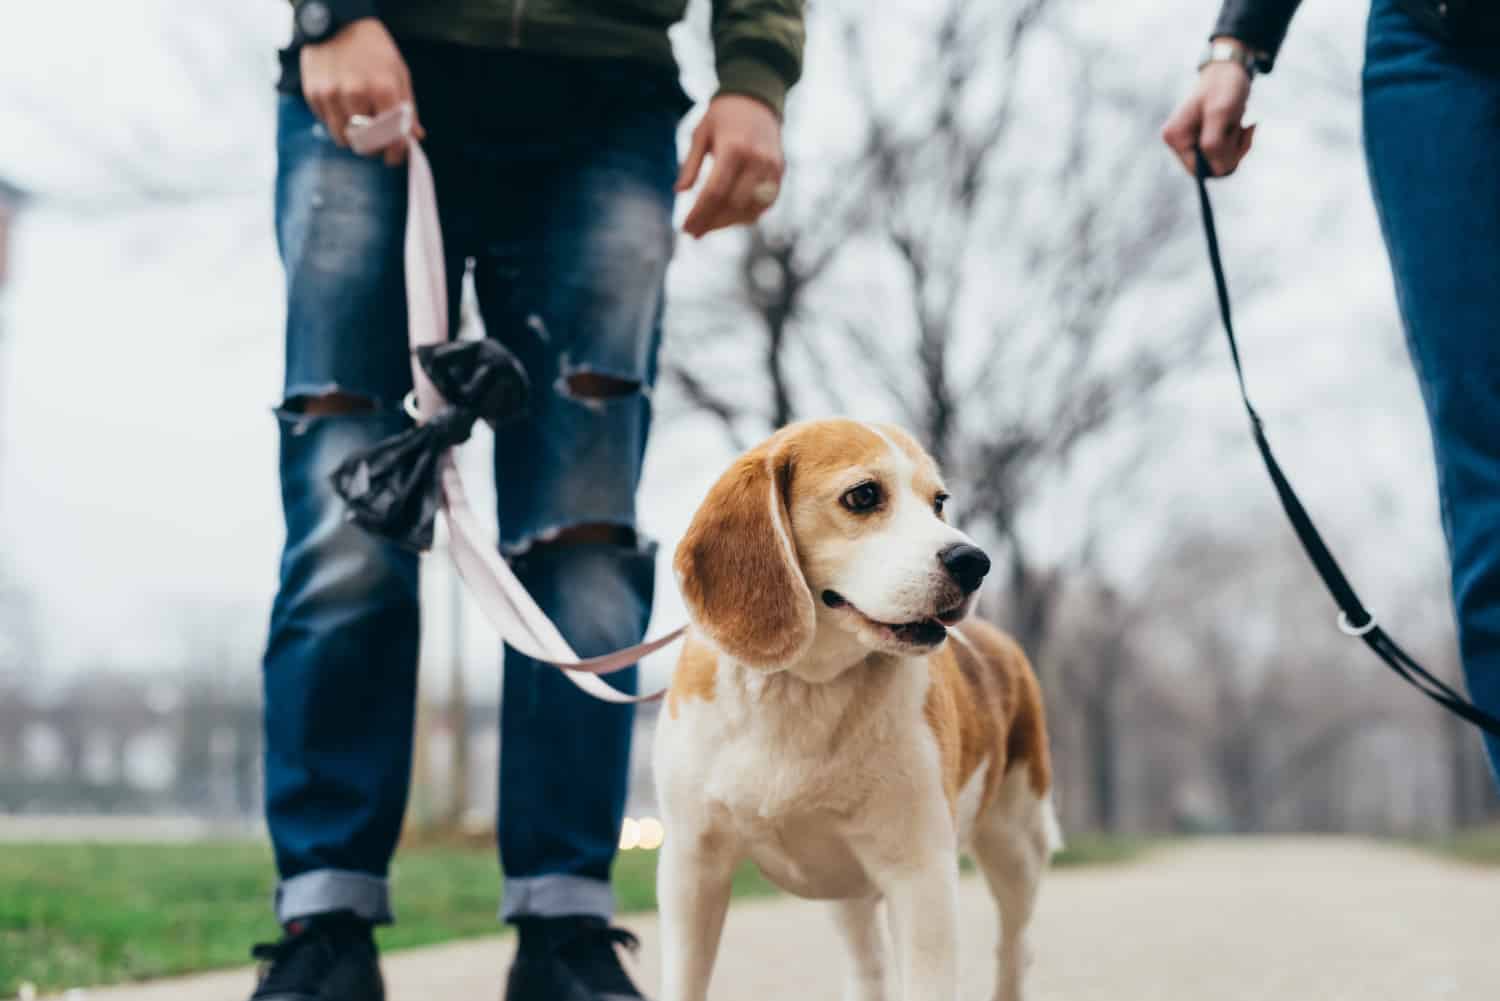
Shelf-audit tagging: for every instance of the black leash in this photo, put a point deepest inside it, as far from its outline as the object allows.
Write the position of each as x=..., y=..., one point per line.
x=1354, y=619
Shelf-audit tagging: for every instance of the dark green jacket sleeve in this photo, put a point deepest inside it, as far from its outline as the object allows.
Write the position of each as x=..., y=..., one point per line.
x=1260, y=24
x=758, y=47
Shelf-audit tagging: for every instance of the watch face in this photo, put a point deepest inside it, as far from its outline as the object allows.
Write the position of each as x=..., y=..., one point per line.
x=314, y=18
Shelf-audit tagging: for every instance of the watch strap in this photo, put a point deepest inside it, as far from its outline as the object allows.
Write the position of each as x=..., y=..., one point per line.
x=1222, y=51
x=319, y=20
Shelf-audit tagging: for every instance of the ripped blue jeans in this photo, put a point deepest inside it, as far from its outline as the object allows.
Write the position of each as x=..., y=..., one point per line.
x=561, y=203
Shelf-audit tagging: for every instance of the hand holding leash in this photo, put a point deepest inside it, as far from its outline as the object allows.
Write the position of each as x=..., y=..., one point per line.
x=355, y=76
x=1211, y=119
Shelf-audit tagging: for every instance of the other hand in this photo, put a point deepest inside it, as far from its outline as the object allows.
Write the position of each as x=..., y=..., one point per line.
x=1211, y=119
x=743, y=135
x=358, y=71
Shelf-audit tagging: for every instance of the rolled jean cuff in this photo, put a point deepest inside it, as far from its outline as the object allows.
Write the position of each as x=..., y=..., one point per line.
x=326, y=890
x=557, y=896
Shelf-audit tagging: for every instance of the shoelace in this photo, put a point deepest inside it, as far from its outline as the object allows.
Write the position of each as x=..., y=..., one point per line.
x=590, y=954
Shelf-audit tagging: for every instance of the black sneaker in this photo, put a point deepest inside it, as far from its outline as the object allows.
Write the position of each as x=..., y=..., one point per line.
x=570, y=959
x=329, y=957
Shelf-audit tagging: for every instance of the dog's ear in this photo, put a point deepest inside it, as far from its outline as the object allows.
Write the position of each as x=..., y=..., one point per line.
x=738, y=566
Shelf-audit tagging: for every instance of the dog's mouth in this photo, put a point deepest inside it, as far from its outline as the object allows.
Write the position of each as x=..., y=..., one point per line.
x=925, y=632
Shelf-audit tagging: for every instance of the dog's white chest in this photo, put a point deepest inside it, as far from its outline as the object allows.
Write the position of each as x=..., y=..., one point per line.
x=795, y=816
x=806, y=798
x=808, y=855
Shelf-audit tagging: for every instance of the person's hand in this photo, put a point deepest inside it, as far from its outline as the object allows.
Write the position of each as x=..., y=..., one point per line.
x=358, y=71
x=1211, y=119
x=743, y=135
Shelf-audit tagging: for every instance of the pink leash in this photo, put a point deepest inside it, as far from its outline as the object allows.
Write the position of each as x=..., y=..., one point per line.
x=506, y=603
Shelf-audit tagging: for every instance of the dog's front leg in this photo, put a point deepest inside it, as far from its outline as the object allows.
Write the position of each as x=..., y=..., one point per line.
x=861, y=924
x=693, y=878
x=923, y=901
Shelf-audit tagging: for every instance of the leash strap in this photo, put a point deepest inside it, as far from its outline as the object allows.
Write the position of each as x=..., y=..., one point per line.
x=505, y=601
x=1354, y=619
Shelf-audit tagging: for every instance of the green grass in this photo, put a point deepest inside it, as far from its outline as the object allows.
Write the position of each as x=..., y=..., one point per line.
x=79, y=914
x=1480, y=846
x=1102, y=849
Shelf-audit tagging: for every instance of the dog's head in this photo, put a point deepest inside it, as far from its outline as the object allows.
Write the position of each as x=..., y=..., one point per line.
x=827, y=525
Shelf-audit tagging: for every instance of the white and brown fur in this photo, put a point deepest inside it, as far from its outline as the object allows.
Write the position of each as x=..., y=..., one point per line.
x=851, y=764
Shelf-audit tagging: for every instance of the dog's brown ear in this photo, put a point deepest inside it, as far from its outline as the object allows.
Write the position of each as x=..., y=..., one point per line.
x=738, y=565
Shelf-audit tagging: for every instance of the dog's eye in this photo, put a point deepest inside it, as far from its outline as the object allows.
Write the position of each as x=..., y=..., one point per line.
x=937, y=504
x=863, y=498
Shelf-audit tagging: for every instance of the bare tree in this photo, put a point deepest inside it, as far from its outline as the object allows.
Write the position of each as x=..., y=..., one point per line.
x=1096, y=668
x=1274, y=694
x=974, y=265
x=20, y=661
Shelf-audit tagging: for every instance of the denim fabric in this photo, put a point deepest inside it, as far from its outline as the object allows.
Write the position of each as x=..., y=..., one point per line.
x=1432, y=139
x=554, y=184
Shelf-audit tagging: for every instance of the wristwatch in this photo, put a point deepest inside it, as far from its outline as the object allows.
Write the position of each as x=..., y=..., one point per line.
x=1218, y=51
x=319, y=20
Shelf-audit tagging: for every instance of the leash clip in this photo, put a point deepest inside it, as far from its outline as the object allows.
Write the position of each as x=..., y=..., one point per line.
x=1348, y=629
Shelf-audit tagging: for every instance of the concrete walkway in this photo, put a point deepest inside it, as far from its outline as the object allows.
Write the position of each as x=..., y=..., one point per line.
x=1254, y=920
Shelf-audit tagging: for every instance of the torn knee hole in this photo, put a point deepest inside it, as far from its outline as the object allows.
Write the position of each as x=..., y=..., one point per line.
x=596, y=386
x=587, y=534
x=330, y=404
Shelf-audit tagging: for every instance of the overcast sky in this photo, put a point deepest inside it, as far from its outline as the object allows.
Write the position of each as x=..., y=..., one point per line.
x=142, y=333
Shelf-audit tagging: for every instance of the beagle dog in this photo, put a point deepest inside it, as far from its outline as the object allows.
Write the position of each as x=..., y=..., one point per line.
x=837, y=718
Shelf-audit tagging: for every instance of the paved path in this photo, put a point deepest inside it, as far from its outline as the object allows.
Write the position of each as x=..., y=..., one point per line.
x=1262, y=920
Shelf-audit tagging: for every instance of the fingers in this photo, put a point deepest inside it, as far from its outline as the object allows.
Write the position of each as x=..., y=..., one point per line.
x=337, y=91
x=1222, y=141
x=1247, y=141
x=1216, y=131
x=325, y=105
x=340, y=103
x=337, y=110
x=319, y=105
x=396, y=92
x=395, y=152
x=358, y=101
x=336, y=119
x=713, y=200
x=745, y=203
x=688, y=176
x=1211, y=120
x=1181, y=133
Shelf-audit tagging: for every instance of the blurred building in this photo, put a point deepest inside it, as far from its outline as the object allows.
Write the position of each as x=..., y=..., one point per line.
x=121, y=747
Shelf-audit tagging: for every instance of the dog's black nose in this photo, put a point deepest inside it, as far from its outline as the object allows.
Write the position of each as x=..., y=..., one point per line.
x=967, y=564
